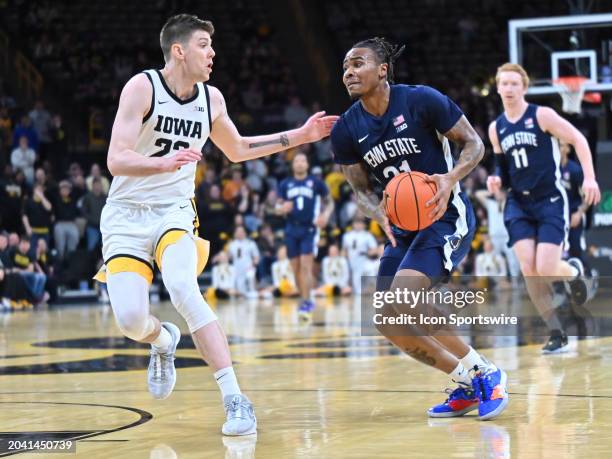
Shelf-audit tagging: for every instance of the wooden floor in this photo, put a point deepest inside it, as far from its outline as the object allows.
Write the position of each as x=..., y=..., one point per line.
x=320, y=390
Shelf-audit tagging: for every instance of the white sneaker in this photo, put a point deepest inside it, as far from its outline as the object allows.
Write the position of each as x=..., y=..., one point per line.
x=161, y=376
x=240, y=416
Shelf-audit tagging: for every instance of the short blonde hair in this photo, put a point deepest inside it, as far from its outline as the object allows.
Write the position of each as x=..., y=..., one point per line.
x=510, y=67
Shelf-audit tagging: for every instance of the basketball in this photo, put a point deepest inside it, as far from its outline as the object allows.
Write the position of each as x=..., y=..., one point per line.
x=405, y=198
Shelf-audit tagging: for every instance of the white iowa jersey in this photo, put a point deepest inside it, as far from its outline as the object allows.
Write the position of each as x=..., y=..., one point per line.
x=170, y=125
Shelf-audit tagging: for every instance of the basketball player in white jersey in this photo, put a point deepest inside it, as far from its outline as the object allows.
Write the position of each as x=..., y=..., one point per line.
x=358, y=244
x=163, y=120
x=245, y=256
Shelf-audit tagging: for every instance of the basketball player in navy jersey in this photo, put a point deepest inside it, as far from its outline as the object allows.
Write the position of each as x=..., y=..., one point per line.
x=300, y=200
x=524, y=140
x=397, y=128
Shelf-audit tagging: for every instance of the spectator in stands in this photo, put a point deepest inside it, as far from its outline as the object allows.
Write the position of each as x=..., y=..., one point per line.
x=223, y=279
x=336, y=274
x=37, y=217
x=22, y=262
x=219, y=216
x=11, y=199
x=266, y=245
x=334, y=180
x=44, y=264
x=66, y=231
x=58, y=147
x=4, y=250
x=13, y=240
x=41, y=122
x=268, y=214
x=96, y=173
x=295, y=113
x=283, y=278
x=6, y=130
x=231, y=188
x=23, y=157
x=489, y=266
x=245, y=257
x=91, y=208
x=24, y=128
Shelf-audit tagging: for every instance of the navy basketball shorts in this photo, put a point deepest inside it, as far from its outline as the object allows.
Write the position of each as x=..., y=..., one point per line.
x=301, y=240
x=434, y=251
x=544, y=219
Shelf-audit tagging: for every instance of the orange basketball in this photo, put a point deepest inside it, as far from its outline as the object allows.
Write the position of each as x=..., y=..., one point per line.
x=405, y=197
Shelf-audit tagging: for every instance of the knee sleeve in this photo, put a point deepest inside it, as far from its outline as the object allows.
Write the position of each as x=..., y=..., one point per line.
x=129, y=296
x=179, y=263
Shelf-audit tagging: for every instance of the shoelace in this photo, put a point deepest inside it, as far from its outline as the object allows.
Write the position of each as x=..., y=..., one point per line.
x=237, y=408
x=159, y=368
x=451, y=392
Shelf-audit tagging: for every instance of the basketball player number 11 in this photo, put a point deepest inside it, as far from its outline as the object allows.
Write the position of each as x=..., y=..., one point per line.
x=520, y=158
x=392, y=171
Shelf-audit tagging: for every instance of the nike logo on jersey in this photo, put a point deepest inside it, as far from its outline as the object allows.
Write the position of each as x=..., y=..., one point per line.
x=164, y=102
x=501, y=131
x=182, y=207
x=555, y=199
x=363, y=138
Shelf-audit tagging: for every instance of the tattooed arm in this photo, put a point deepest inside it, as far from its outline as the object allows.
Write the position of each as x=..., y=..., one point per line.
x=368, y=202
x=238, y=148
x=472, y=150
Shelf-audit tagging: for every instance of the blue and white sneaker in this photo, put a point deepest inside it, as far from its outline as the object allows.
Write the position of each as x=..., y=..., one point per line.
x=460, y=401
x=490, y=386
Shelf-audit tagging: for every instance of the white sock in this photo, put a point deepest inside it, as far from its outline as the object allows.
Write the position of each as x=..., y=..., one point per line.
x=163, y=341
x=460, y=375
x=473, y=359
x=575, y=272
x=226, y=379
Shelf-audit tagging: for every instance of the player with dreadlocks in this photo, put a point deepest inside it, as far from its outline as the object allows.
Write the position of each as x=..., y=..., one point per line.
x=394, y=128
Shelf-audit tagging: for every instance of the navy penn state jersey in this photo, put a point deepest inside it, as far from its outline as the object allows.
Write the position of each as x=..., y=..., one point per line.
x=306, y=196
x=408, y=137
x=532, y=155
x=572, y=178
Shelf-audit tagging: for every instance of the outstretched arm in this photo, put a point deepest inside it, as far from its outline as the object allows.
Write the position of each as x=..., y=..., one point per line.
x=472, y=150
x=562, y=129
x=368, y=202
x=238, y=148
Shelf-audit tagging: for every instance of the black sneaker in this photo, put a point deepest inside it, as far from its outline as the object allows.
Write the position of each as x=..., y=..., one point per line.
x=577, y=287
x=556, y=343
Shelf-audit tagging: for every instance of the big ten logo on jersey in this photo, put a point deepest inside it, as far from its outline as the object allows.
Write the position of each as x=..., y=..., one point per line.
x=177, y=127
x=400, y=123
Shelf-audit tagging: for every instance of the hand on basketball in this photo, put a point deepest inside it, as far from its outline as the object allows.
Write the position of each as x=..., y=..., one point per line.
x=318, y=126
x=444, y=186
x=494, y=184
x=181, y=158
x=590, y=188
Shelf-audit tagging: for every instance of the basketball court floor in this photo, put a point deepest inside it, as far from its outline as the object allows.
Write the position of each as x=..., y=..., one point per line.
x=320, y=390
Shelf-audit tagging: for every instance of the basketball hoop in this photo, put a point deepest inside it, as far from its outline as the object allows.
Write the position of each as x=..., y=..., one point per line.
x=571, y=89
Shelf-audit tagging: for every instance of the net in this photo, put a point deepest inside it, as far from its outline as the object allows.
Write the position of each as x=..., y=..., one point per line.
x=571, y=89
